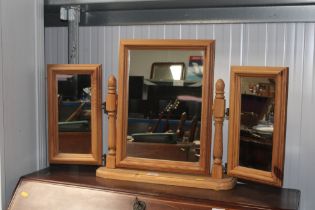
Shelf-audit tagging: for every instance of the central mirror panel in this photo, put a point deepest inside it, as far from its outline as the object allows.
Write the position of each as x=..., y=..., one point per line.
x=164, y=105
x=164, y=109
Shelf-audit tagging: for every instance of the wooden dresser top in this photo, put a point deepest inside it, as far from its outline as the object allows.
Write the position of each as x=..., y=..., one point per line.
x=243, y=196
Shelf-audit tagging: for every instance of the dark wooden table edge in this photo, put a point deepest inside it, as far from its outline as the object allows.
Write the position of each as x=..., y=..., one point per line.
x=42, y=175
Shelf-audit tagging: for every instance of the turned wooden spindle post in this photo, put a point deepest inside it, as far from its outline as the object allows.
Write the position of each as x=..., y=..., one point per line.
x=218, y=113
x=111, y=105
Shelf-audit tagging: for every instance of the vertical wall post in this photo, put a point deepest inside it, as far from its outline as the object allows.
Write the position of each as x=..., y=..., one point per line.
x=72, y=15
x=73, y=33
x=111, y=108
x=218, y=113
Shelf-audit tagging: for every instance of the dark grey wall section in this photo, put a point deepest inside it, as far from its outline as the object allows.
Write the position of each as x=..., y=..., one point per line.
x=129, y=12
x=163, y=4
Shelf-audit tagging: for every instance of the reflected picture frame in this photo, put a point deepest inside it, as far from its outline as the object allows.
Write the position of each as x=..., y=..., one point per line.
x=55, y=156
x=158, y=70
x=280, y=76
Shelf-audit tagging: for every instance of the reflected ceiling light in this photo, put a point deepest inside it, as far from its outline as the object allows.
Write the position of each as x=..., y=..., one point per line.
x=176, y=71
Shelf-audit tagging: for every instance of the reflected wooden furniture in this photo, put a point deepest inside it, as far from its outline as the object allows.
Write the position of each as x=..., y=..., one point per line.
x=255, y=151
x=175, y=152
x=75, y=142
x=156, y=94
x=73, y=187
x=279, y=75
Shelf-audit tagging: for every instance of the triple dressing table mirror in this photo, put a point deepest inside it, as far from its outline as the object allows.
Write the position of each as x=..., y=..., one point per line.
x=75, y=118
x=164, y=114
x=162, y=136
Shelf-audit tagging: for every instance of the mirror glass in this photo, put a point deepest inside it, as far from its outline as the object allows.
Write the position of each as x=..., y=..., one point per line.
x=164, y=104
x=257, y=120
x=74, y=113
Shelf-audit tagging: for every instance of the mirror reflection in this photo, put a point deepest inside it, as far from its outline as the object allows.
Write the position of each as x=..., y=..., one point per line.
x=164, y=110
x=74, y=113
x=257, y=118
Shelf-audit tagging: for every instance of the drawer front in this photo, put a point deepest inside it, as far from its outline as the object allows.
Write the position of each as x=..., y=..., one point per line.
x=37, y=195
x=158, y=204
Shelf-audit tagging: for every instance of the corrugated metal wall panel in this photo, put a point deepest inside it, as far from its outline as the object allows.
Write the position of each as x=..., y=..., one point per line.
x=307, y=145
x=156, y=31
x=272, y=44
x=293, y=133
x=142, y=32
x=295, y=101
x=50, y=50
x=188, y=32
x=255, y=44
x=172, y=32
x=222, y=66
x=62, y=45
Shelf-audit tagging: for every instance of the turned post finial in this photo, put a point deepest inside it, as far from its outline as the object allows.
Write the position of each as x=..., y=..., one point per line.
x=219, y=87
x=112, y=82
x=218, y=113
x=111, y=108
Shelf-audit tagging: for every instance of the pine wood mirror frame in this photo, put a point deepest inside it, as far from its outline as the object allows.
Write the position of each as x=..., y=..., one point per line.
x=122, y=161
x=94, y=154
x=279, y=75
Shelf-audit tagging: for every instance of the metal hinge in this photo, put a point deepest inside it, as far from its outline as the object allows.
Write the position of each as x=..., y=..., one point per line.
x=104, y=107
x=278, y=173
x=70, y=13
x=104, y=159
x=227, y=113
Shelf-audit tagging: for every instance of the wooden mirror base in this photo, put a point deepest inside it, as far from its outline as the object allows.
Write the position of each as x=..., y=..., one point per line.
x=153, y=177
x=216, y=181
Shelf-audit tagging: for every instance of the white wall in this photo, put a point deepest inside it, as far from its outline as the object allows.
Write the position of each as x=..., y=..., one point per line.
x=274, y=44
x=20, y=55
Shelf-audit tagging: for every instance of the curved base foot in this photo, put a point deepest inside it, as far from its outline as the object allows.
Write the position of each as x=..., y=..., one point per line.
x=196, y=181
